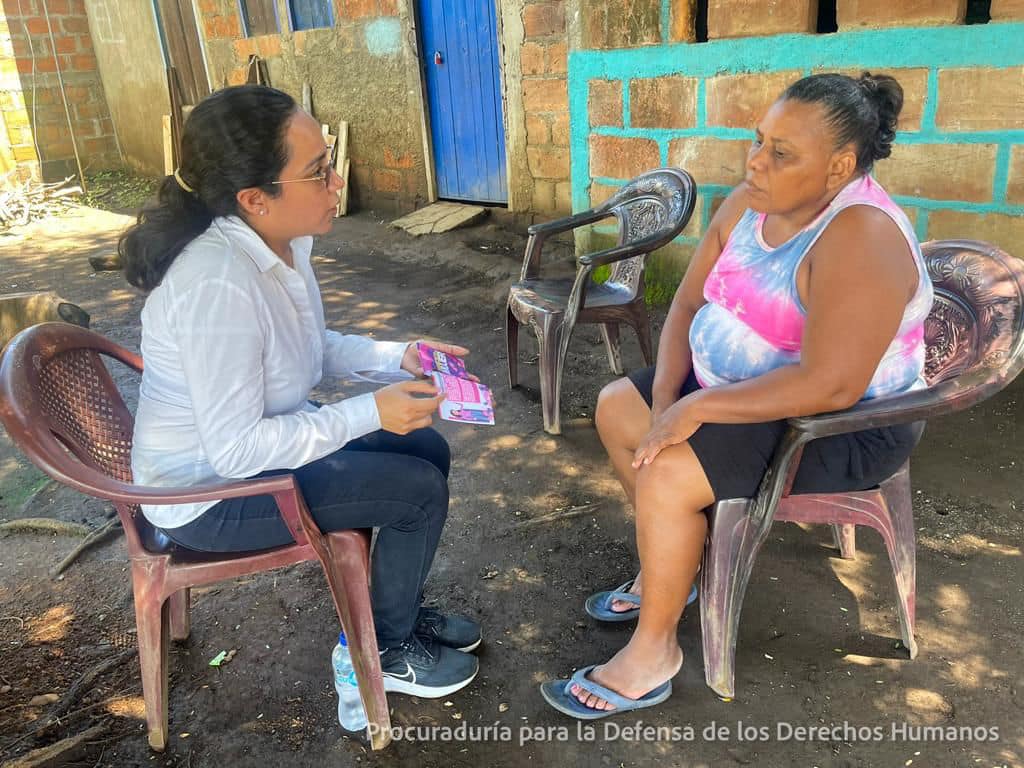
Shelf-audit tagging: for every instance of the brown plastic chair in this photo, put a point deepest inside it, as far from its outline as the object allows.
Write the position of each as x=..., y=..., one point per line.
x=651, y=210
x=61, y=407
x=975, y=347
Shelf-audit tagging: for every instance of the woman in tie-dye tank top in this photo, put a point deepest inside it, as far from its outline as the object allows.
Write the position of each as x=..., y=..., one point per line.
x=807, y=293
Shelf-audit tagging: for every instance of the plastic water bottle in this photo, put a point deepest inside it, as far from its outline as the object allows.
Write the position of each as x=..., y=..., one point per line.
x=351, y=714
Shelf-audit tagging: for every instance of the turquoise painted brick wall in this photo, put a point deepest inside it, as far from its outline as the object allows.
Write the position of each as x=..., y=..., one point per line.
x=994, y=46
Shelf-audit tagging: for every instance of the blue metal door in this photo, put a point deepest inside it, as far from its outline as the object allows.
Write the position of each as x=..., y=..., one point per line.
x=460, y=58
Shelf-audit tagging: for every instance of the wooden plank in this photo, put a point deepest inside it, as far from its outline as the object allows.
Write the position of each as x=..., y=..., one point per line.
x=61, y=753
x=343, y=202
x=307, y=98
x=341, y=166
x=168, y=146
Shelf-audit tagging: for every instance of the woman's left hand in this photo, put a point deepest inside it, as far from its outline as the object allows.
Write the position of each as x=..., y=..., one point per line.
x=411, y=358
x=674, y=426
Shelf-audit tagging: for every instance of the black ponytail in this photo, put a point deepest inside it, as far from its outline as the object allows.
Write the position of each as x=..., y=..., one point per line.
x=233, y=140
x=861, y=111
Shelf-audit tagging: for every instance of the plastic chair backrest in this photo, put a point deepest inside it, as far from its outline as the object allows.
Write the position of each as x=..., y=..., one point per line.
x=976, y=326
x=64, y=411
x=652, y=203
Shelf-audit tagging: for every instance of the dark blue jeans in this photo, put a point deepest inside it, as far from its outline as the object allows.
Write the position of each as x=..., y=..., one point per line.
x=396, y=483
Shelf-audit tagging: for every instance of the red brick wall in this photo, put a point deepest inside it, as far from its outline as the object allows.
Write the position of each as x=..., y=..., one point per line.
x=546, y=103
x=30, y=96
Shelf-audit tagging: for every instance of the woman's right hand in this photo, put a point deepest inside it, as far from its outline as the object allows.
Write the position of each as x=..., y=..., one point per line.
x=403, y=407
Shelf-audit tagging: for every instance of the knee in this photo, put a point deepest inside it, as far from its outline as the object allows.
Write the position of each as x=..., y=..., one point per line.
x=429, y=488
x=609, y=405
x=434, y=448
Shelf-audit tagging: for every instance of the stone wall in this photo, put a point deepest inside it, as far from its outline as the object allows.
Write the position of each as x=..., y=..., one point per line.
x=639, y=100
x=362, y=70
x=36, y=141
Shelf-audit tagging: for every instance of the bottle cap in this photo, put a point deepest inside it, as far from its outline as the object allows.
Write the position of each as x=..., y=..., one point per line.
x=342, y=641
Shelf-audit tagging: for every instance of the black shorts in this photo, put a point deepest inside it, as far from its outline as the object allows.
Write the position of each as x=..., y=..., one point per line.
x=735, y=456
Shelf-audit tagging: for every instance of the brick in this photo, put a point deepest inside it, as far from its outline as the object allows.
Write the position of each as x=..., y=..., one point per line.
x=269, y=45
x=543, y=20
x=621, y=23
x=618, y=158
x=537, y=131
x=710, y=160
x=24, y=154
x=1007, y=10
x=37, y=26
x=739, y=101
x=357, y=9
x=238, y=76
x=560, y=130
x=245, y=47
x=915, y=91
x=531, y=58
x=548, y=162
x=741, y=18
x=547, y=95
x=940, y=171
x=67, y=44
x=403, y=161
x=693, y=227
x=599, y=193
x=604, y=102
x=852, y=14
x=980, y=99
x=543, y=196
x=388, y=7
x=663, y=102
x=557, y=59
x=1015, y=187
x=997, y=228
x=83, y=62
x=387, y=181
x=563, y=197
x=75, y=25
x=682, y=22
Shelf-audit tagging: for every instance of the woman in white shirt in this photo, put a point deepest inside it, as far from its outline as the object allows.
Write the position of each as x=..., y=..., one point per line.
x=233, y=339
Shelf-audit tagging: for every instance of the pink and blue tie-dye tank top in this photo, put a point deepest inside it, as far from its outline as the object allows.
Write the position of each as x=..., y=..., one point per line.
x=754, y=320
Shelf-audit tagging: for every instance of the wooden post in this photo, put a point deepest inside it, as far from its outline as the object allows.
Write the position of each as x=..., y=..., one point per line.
x=342, y=166
x=168, y=146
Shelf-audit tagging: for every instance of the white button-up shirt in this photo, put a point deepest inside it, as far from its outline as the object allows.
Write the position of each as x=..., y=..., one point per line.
x=233, y=341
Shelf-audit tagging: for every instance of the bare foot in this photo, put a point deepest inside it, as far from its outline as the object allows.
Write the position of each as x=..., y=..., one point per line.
x=633, y=672
x=620, y=606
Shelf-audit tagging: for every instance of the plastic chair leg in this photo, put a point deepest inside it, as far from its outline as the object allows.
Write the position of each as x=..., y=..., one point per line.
x=151, y=621
x=550, y=363
x=350, y=584
x=610, y=333
x=729, y=556
x=900, y=542
x=845, y=536
x=180, y=620
x=512, y=347
x=643, y=333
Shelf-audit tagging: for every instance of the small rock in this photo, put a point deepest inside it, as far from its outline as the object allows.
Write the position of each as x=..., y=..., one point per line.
x=5, y=689
x=43, y=699
x=503, y=707
x=105, y=262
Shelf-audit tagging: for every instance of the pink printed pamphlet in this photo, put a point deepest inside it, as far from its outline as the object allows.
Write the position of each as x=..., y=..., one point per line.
x=465, y=400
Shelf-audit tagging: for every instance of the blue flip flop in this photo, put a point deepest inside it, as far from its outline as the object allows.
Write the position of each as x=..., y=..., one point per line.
x=558, y=693
x=599, y=604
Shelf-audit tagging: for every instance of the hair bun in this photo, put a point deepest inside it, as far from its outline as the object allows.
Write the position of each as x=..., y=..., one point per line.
x=887, y=95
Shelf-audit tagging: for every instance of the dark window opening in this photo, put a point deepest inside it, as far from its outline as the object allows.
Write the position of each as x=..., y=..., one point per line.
x=701, y=21
x=827, y=20
x=978, y=12
x=259, y=17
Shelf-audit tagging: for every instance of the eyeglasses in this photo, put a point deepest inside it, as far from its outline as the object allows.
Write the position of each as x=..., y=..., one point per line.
x=325, y=177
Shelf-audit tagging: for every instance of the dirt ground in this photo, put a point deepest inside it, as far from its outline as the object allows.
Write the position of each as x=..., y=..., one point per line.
x=536, y=524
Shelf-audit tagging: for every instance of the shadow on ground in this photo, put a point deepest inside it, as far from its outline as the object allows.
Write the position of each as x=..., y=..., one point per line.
x=536, y=524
